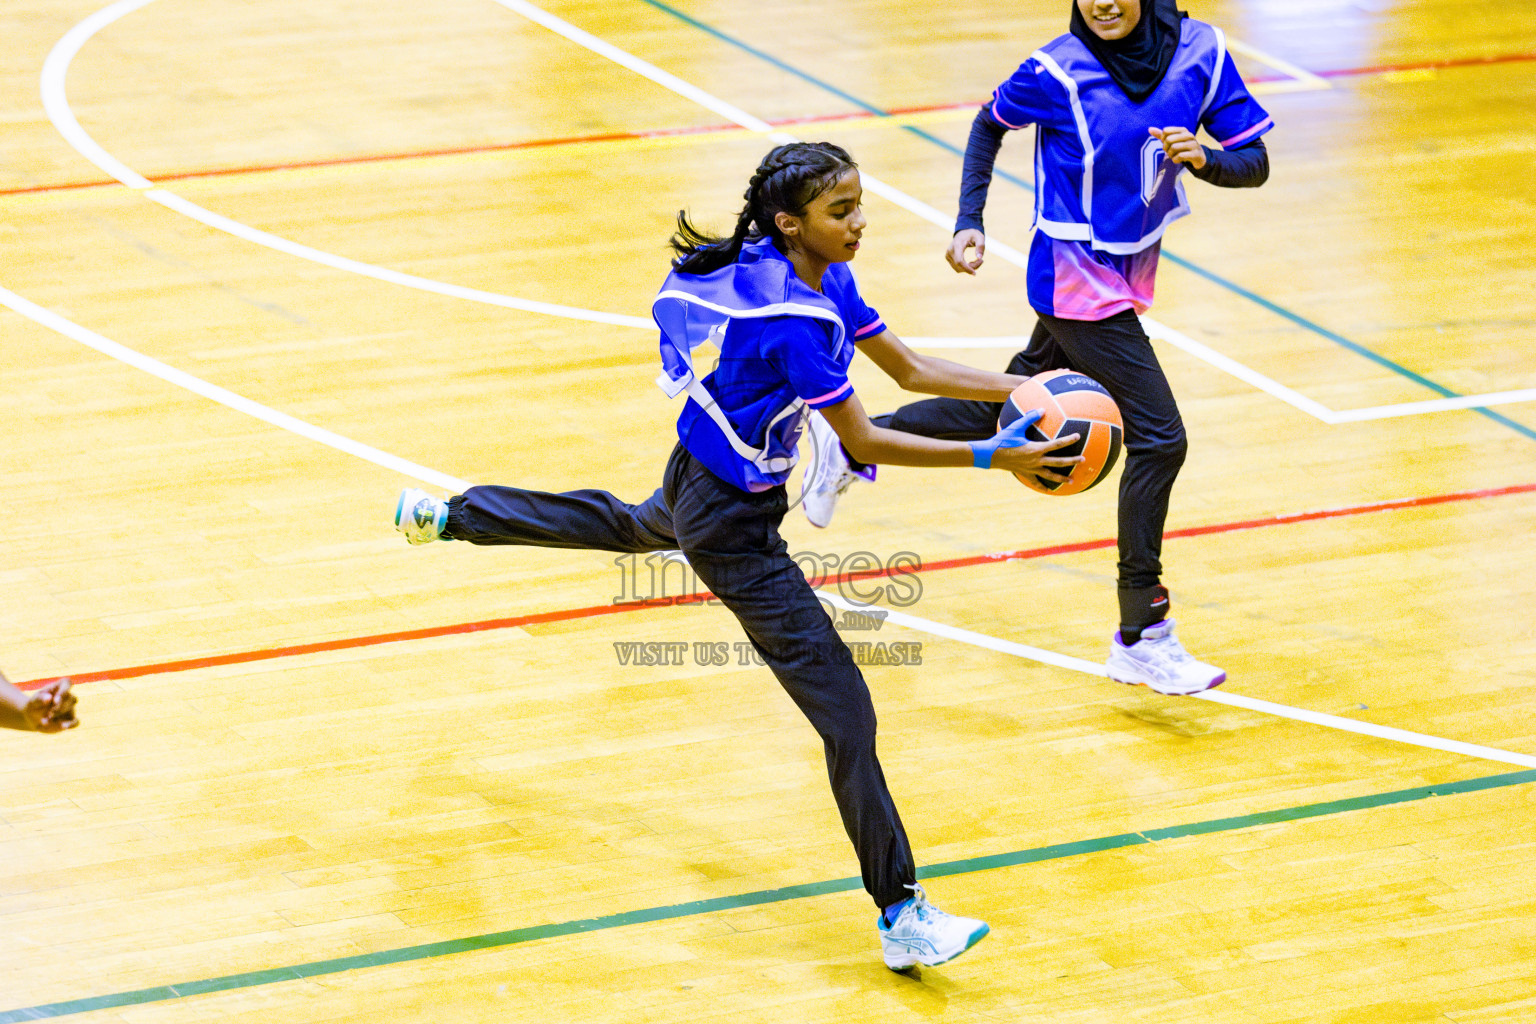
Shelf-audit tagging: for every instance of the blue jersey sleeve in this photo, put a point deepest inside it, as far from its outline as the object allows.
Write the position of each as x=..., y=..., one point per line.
x=863, y=322
x=800, y=348
x=859, y=319
x=1030, y=96
x=1234, y=117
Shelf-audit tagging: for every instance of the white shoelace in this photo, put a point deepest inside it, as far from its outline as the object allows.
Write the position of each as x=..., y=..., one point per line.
x=1169, y=650
x=920, y=904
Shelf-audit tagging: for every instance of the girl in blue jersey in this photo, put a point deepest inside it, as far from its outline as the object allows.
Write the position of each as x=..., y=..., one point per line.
x=778, y=301
x=1115, y=103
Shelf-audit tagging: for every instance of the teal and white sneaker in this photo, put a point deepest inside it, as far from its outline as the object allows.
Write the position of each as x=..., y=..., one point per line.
x=420, y=516
x=924, y=934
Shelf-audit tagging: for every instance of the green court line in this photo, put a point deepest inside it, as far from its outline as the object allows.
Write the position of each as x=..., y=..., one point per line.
x=495, y=940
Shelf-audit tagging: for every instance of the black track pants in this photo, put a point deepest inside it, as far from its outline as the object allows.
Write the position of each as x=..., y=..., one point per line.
x=731, y=538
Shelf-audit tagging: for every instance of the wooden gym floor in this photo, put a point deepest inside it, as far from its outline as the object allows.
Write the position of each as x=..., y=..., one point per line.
x=266, y=262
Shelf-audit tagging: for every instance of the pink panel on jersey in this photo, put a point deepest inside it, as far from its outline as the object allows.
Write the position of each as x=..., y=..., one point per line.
x=1088, y=289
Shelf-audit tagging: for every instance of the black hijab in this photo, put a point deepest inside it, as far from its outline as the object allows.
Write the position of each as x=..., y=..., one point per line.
x=1138, y=62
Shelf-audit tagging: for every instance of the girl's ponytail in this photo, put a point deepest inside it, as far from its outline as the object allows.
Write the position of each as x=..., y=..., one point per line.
x=699, y=253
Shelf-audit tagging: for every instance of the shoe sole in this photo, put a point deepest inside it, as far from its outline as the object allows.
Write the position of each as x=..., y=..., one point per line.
x=399, y=510
x=1171, y=693
x=970, y=941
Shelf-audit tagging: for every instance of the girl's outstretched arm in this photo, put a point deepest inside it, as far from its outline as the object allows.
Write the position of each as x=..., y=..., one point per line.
x=868, y=443
x=50, y=709
x=933, y=376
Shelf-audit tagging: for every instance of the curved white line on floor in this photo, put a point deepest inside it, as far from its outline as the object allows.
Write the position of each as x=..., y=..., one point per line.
x=56, y=99
x=56, y=104
x=171, y=201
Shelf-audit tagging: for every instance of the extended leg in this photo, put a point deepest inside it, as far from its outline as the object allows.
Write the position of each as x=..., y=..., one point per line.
x=576, y=519
x=1117, y=353
x=732, y=541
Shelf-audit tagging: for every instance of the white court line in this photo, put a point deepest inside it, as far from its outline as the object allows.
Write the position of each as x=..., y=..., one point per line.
x=992, y=643
x=1162, y=332
x=1154, y=328
x=224, y=397
x=1304, y=80
x=1381, y=412
x=1158, y=329
x=54, y=73
x=172, y=201
x=70, y=329
x=55, y=102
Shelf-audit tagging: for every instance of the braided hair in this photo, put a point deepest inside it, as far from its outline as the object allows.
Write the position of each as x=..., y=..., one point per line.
x=787, y=180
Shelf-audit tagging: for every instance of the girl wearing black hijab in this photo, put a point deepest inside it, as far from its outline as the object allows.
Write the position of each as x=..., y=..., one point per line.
x=1116, y=102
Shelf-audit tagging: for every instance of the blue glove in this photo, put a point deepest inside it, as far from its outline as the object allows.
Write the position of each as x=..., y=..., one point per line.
x=1010, y=436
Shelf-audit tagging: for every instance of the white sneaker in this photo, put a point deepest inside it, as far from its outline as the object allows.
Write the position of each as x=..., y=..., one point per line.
x=924, y=934
x=420, y=516
x=828, y=474
x=1159, y=662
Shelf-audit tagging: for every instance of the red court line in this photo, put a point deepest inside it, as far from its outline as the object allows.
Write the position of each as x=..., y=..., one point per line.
x=502, y=147
x=1430, y=65
x=507, y=147
x=455, y=629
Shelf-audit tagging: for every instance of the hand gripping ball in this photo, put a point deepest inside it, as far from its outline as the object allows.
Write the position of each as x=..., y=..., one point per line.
x=1070, y=403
